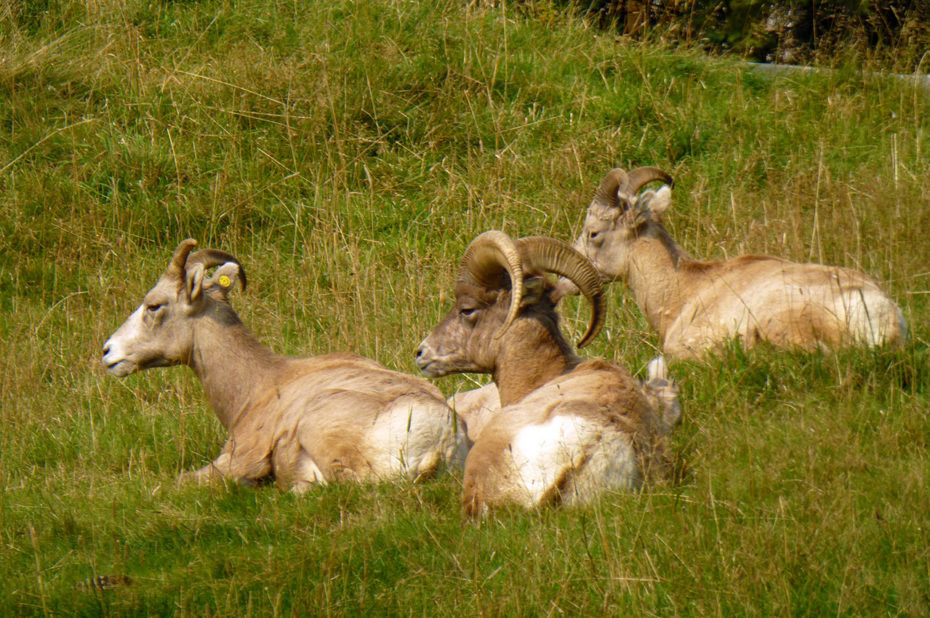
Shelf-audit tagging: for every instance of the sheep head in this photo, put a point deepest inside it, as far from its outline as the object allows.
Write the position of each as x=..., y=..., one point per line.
x=617, y=216
x=501, y=280
x=160, y=332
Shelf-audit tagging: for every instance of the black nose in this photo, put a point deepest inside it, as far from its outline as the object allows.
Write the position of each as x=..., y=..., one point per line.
x=419, y=350
x=106, y=349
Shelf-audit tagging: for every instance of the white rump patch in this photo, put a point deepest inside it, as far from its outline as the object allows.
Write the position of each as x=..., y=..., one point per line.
x=572, y=454
x=412, y=437
x=872, y=318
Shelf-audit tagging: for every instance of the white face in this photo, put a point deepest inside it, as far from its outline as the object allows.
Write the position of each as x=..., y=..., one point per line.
x=161, y=331
x=610, y=231
x=605, y=241
x=152, y=336
x=115, y=356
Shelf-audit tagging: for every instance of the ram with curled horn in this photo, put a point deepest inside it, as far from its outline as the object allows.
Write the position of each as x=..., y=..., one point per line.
x=696, y=306
x=568, y=429
x=298, y=421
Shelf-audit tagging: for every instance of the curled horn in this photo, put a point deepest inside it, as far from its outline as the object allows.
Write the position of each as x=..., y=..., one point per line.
x=642, y=176
x=178, y=261
x=606, y=194
x=555, y=256
x=487, y=258
x=214, y=257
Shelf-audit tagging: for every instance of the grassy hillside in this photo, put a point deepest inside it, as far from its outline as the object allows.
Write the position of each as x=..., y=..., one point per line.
x=347, y=152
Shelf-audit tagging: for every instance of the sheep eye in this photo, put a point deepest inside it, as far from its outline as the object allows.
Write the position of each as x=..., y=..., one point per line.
x=154, y=307
x=467, y=312
x=596, y=238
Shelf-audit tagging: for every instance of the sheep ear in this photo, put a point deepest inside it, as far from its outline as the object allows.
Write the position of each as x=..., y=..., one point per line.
x=656, y=201
x=650, y=205
x=224, y=278
x=533, y=289
x=193, y=282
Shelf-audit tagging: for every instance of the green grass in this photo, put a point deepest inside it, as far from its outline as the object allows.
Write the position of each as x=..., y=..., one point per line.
x=347, y=152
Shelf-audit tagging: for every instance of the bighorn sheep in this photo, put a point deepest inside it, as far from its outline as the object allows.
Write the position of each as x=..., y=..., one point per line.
x=475, y=407
x=695, y=305
x=299, y=421
x=568, y=428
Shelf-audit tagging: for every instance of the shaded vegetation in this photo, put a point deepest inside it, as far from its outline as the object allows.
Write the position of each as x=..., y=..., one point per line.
x=895, y=34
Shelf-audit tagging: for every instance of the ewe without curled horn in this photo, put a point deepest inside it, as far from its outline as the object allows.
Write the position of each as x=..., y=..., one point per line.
x=269, y=403
x=642, y=176
x=179, y=259
x=697, y=305
x=606, y=193
x=183, y=259
x=214, y=257
x=618, y=179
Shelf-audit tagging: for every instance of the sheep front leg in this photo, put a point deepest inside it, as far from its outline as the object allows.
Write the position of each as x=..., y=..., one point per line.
x=240, y=465
x=216, y=470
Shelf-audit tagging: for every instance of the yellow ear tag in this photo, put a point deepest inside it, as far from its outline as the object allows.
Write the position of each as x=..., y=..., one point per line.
x=225, y=281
